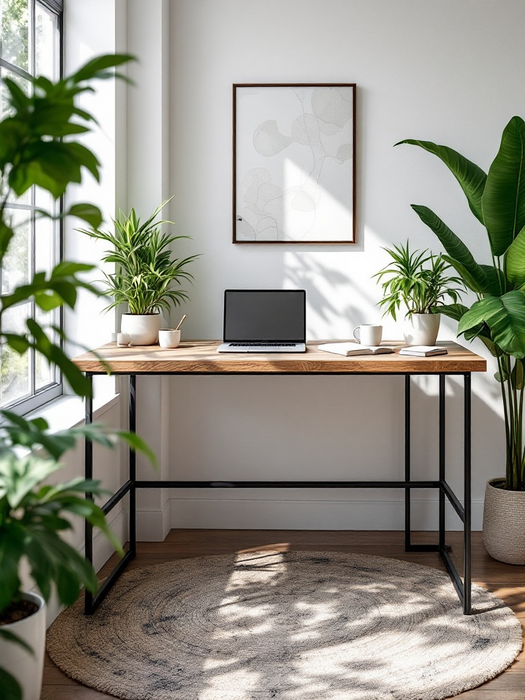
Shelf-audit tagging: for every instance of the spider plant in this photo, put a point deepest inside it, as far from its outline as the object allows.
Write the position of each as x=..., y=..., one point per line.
x=418, y=280
x=146, y=278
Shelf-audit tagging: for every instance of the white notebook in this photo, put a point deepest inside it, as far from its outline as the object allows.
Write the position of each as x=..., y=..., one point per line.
x=350, y=348
x=423, y=350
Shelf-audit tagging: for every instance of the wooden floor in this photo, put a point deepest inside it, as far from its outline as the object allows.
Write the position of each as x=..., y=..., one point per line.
x=506, y=581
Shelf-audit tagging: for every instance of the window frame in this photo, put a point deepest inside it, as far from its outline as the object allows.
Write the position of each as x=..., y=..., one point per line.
x=39, y=397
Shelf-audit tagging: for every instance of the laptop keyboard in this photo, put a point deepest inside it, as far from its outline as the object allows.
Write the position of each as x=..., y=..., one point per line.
x=266, y=345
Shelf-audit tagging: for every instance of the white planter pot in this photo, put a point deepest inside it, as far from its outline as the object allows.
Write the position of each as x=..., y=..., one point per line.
x=504, y=524
x=142, y=329
x=25, y=667
x=421, y=329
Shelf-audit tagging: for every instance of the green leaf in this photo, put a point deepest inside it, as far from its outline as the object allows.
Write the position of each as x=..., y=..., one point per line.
x=516, y=376
x=505, y=316
x=515, y=260
x=68, y=268
x=78, y=381
x=84, y=157
x=6, y=234
x=19, y=476
x=11, y=550
x=15, y=639
x=459, y=255
x=17, y=97
x=503, y=200
x=18, y=343
x=454, y=311
x=138, y=444
x=11, y=689
x=98, y=67
x=25, y=175
x=88, y=213
x=471, y=178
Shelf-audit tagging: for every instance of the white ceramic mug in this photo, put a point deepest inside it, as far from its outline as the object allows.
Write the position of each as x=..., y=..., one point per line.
x=123, y=339
x=169, y=338
x=368, y=334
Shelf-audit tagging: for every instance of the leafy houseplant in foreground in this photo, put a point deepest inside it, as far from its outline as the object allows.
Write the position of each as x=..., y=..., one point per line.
x=147, y=279
x=497, y=317
x=37, y=147
x=417, y=280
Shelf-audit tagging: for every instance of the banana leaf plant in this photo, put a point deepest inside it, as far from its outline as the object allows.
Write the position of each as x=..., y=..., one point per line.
x=497, y=317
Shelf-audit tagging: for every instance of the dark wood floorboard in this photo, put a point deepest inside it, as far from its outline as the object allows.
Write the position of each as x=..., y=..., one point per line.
x=504, y=580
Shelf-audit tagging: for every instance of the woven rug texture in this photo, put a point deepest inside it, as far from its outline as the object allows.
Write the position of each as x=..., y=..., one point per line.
x=291, y=626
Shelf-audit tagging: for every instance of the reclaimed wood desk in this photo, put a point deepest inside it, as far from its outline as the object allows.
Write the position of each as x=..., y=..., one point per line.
x=201, y=357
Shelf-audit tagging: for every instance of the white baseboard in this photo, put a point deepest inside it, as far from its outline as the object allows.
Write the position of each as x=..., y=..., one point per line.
x=323, y=514
x=153, y=525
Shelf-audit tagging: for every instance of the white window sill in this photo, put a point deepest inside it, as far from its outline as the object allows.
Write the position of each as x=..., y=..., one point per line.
x=68, y=411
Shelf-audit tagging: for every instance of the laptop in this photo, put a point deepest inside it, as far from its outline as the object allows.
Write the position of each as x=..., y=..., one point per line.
x=264, y=320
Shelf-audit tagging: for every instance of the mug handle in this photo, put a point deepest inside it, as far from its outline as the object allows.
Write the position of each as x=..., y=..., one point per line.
x=357, y=333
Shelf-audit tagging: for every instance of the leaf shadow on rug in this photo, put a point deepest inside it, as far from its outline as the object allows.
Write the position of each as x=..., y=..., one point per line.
x=292, y=626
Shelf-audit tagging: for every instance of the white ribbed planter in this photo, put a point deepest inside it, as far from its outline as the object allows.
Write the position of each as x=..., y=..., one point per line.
x=421, y=329
x=504, y=524
x=25, y=667
x=143, y=329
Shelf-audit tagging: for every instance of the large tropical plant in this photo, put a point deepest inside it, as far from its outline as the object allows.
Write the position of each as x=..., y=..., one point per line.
x=497, y=317
x=147, y=278
x=38, y=146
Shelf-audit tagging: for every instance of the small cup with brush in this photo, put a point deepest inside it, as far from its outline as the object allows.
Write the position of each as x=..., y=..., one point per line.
x=170, y=337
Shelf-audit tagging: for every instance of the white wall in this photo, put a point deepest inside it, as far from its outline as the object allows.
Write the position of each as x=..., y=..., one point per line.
x=450, y=71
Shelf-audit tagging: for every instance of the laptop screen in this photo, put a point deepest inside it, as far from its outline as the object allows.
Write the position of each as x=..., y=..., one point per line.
x=265, y=315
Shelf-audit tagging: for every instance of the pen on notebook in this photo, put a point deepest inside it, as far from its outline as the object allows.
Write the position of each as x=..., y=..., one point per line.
x=181, y=322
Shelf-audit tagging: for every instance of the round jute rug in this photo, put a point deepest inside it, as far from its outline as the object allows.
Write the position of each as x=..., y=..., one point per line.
x=292, y=626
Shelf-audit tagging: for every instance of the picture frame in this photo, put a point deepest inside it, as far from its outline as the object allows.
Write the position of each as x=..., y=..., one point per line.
x=294, y=163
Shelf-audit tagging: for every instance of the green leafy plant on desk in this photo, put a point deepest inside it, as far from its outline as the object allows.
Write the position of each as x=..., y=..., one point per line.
x=497, y=316
x=38, y=147
x=147, y=279
x=416, y=280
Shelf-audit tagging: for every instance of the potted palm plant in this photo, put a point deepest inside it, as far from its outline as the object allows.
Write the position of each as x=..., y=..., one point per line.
x=497, y=316
x=37, y=147
x=418, y=281
x=147, y=279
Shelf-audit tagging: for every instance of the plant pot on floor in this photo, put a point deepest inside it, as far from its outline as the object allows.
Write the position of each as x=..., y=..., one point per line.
x=421, y=329
x=25, y=667
x=143, y=329
x=504, y=523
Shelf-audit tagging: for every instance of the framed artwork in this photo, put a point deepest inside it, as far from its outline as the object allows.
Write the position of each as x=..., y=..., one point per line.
x=294, y=163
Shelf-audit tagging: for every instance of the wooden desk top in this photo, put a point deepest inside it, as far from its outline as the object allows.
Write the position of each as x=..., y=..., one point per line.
x=201, y=357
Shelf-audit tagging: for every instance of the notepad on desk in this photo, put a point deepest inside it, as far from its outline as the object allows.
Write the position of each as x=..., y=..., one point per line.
x=348, y=349
x=423, y=350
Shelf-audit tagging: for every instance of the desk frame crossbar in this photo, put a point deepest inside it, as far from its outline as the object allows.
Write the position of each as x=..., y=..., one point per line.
x=462, y=583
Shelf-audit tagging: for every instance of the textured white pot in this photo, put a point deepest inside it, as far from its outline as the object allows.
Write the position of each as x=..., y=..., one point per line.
x=504, y=524
x=25, y=667
x=143, y=329
x=421, y=329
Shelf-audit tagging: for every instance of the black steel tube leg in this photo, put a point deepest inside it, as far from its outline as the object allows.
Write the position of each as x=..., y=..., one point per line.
x=133, y=467
x=88, y=474
x=442, y=470
x=467, y=525
x=407, y=462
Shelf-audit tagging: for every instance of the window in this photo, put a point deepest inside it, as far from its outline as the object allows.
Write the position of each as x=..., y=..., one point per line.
x=30, y=45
